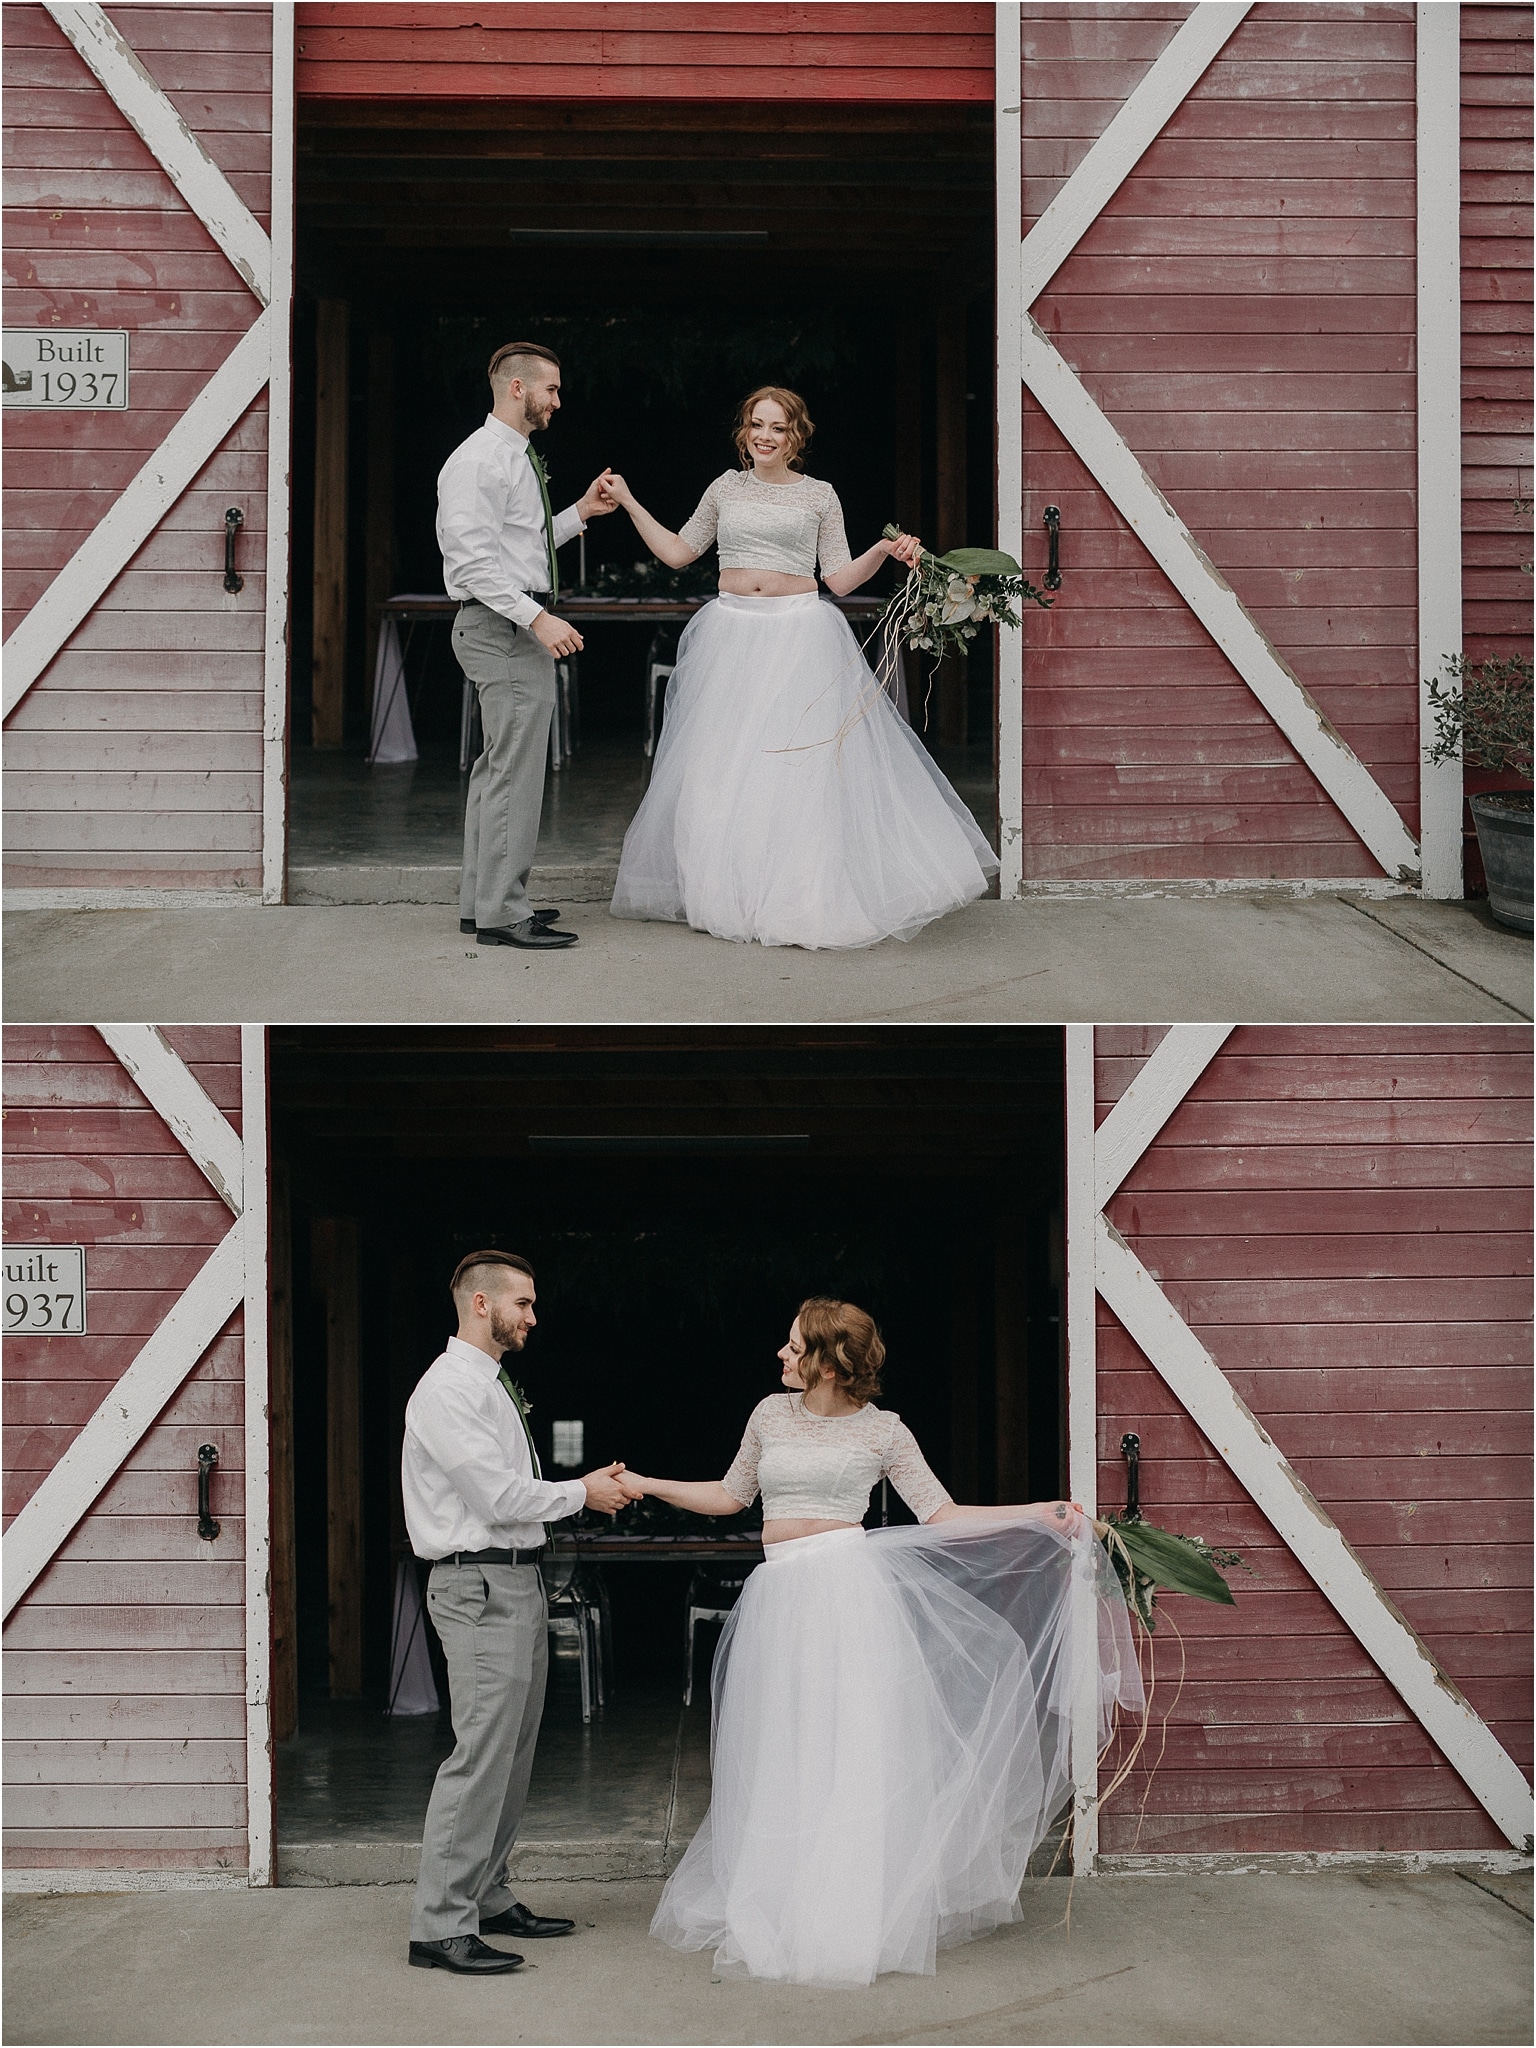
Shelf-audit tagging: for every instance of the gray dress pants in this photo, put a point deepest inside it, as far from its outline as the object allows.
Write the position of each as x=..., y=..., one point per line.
x=514, y=677
x=494, y=1628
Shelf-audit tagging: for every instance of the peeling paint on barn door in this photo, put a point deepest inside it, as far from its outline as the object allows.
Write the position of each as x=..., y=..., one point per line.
x=1262, y=1353
x=1259, y=503
x=145, y=701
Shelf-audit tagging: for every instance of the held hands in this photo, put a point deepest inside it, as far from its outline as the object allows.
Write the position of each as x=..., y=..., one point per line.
x=597, y=498
x=606, y=1491
x=616, y=491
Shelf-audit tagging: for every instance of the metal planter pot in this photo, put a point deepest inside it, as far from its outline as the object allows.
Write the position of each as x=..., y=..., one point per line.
x=1504, y=838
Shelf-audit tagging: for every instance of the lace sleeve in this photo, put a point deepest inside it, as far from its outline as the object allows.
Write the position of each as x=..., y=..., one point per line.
x=832, y=540
x=700, y=530
x=741, y=1480
x=909, y=1472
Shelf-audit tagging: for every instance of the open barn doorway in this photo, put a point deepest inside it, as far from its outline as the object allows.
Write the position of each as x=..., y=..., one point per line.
x=674, y=254
x=679, y=1193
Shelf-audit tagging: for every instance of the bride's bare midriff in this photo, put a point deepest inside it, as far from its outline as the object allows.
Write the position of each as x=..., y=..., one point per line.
x=766, y=583
x=785, y=1528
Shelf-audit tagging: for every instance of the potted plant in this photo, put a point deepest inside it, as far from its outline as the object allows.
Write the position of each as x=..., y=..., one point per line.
x=1483, y=718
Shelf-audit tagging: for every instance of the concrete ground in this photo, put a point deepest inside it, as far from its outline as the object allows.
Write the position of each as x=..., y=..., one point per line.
x=1361, y=1957
x=1334, y=959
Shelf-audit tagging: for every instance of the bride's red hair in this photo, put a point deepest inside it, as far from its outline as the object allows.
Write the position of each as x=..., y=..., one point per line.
x=841, y=1344
x=796, y=416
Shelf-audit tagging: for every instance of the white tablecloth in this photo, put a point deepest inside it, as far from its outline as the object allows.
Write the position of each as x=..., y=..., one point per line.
x=391, y=736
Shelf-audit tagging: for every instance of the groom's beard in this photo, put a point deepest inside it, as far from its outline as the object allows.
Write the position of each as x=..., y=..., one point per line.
x=510, y=1336
x=537, y=421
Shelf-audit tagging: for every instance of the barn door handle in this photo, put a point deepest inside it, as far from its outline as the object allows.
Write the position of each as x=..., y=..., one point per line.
x=207, y=1458
x=234, y=519
x=1130, y=1450
x=1052, y=523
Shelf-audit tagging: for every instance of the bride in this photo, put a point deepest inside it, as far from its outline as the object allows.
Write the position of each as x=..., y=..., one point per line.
x=891, y=1707
x=789, y=801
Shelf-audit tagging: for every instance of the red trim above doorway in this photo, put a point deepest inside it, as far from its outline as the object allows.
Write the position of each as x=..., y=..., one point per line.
x=885, y=52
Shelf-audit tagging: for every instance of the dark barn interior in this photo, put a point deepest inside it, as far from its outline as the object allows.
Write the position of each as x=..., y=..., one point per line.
x=674, y=255
x=679, y=1192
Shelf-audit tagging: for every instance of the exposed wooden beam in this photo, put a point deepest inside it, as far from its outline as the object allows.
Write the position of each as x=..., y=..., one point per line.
x=379, y=549
x=949, y=417
x=328, y=686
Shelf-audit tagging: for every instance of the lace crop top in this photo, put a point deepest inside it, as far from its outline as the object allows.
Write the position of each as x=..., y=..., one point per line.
x=824, y=1467
x=787, y=527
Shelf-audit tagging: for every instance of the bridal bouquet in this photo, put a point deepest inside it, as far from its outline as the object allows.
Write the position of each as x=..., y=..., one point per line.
x=947, y=599
x=1145, y=1558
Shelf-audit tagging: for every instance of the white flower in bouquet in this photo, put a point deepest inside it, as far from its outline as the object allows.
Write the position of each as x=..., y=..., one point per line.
x=959, y=601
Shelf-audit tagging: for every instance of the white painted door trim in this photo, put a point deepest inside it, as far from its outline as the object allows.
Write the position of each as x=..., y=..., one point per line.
x=1082, y=1417
x=1437, y=176
x=1208, y=1398
x=256, y=1131
x=274, y=718
x=1009, y=646
x=179, y=1099
x=1104, y=452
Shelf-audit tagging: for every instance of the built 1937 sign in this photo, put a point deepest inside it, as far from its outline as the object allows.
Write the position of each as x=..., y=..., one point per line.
x=66, y=370
x=45, y=1290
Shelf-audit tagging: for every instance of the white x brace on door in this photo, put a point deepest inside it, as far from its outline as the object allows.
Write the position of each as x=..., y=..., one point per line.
x=260, y=359
x=234, y=1276
x=1025, y=357
x=1101, y=1263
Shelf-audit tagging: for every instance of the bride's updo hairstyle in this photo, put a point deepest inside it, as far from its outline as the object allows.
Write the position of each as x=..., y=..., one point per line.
x=801, y=425
x=842, y=1345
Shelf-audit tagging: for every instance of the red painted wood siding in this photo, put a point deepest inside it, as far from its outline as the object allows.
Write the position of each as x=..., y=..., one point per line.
x=125, y=1665
x=135, y=761
x=1497, y=481
x=890, y=51
x=1343, y=1215
x=1243, y=311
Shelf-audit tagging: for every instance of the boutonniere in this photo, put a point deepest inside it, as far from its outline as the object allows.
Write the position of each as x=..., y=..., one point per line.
x=520, y=1400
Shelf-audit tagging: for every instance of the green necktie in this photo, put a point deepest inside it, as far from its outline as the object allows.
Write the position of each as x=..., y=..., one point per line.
x=549, y=538
x=511, y=1392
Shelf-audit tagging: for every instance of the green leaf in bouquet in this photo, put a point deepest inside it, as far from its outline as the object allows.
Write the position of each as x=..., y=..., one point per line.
x=1173, y=1562
x=979, y=562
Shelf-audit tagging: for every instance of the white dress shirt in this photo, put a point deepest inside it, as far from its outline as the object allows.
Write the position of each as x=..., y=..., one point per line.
x=490, y=523
x=466, y=1471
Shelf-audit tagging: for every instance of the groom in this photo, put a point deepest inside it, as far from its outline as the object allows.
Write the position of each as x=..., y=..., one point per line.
x=476, y=1505
x=498, y=536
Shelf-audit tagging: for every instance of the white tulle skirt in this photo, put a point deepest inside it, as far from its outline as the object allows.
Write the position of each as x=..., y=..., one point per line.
x=891, y=1742
x=789, y=801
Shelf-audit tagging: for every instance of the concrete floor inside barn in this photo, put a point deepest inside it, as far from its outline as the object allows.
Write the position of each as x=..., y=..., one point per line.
x=1336, y=1957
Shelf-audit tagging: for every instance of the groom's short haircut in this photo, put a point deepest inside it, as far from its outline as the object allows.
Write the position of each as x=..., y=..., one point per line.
x=517, y=359
x=476, y=1272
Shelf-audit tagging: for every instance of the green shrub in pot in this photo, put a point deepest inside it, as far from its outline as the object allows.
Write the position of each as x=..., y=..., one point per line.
x=1483, y=718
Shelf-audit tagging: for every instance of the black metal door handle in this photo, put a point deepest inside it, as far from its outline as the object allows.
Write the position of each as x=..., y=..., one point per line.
x=1130, y=1450
x=1052, y=523
x=234, y=519
x=207, y=1458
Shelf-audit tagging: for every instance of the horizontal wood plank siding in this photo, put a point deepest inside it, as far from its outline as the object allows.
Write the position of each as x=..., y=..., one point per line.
x=1378, y=1325
x=892, y=52
x=1497, y=480
x=109, y=782
x=1243, y=312
x=124, y=1666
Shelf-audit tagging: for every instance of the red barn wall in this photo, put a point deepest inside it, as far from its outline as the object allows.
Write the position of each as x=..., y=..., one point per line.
x=1343, y=1215
x=892, y=51
x=1243, y=311
x=135, y=760
x=125, y=1664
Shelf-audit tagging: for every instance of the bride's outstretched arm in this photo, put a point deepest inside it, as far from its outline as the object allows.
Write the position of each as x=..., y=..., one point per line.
x=1020, y=1511
x=905, y=549
x=698, y=1496
x=666, y=546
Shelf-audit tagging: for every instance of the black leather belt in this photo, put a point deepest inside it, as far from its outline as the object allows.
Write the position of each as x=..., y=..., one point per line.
x=542, y=597
x=492, y=1556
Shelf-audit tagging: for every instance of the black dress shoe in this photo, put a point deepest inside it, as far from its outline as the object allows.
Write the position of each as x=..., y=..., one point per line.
x=468, y=926
x=529, y=933
x=466, y=1953
x=525, y=1926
